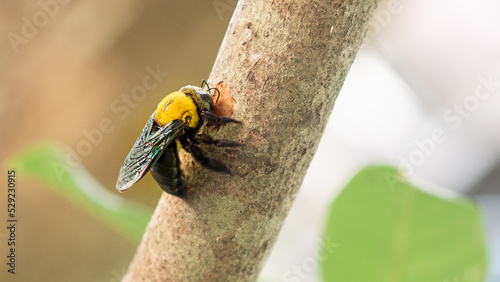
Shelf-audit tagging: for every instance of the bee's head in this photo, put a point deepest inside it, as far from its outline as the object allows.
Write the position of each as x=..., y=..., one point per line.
x=202, y=99
x=207, y=101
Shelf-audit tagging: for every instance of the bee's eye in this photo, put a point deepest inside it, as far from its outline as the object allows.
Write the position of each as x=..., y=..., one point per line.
x=208, y=101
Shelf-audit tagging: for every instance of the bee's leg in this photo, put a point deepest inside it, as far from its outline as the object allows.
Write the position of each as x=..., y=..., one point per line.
x=207, y=139
x=209, y=163
x=216, y=121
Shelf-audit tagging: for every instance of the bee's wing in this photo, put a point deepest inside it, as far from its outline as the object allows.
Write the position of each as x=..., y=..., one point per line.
x=146, y=150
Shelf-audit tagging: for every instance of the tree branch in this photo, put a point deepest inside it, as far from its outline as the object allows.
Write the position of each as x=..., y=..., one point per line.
x=284, y=63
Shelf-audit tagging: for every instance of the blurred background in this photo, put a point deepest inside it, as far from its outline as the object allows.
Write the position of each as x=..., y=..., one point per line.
x=79, y=79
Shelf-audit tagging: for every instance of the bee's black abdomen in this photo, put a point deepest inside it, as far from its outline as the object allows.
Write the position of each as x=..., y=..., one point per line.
x=167, y=172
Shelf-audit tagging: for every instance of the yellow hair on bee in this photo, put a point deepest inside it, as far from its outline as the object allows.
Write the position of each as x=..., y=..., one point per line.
x=178, y=144
x=177, y=105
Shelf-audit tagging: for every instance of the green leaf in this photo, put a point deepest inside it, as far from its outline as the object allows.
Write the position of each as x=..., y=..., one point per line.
x=46, y=164
x=387, y=230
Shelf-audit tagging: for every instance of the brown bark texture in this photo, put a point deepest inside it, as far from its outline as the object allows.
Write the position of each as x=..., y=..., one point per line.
x=284, y=63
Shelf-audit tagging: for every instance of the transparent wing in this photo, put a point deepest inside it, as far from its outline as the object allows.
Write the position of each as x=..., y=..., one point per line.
x=146, y=150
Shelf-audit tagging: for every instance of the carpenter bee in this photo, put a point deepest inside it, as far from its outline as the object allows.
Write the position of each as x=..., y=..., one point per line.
x=173, y=125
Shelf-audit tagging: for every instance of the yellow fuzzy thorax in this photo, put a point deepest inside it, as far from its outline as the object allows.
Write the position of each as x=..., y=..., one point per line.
x=177, y=105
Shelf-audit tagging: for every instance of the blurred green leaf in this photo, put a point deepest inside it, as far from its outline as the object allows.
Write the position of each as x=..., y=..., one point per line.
x=386, y=230
x=46, y=164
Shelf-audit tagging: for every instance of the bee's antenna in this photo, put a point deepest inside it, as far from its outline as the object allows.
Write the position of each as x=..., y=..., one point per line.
x=204, y=82
x=214, y=88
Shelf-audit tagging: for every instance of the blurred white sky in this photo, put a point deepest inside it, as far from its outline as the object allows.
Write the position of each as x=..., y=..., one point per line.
x=416, y=92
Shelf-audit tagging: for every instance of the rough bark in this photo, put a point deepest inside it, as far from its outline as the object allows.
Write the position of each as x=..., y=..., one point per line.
x=284, y=63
